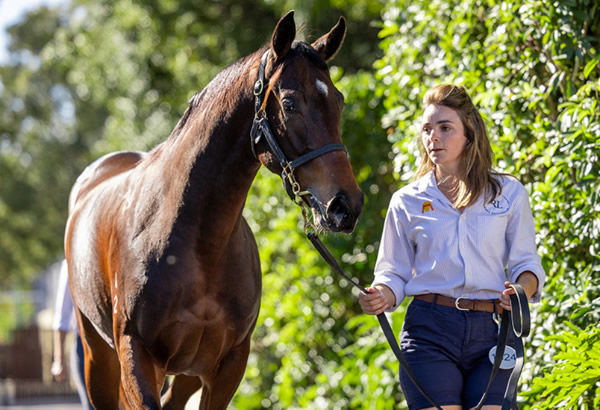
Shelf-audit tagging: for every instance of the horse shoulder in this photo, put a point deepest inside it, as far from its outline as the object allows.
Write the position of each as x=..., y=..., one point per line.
x=103, y=169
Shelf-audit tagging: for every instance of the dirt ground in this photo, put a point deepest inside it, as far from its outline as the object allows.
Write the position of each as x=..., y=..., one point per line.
x=53, y=403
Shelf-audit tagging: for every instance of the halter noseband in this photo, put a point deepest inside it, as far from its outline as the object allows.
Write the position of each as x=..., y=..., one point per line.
x=260, y=127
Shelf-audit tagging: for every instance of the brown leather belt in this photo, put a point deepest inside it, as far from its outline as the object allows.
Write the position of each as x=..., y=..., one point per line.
x=461, y=303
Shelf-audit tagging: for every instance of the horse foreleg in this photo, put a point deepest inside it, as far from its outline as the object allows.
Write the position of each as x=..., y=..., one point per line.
x=182, y=388
x=102, y=372
x=141, y=378
x=218, y=393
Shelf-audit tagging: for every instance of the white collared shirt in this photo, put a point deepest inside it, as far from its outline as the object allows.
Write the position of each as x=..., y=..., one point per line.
x=64, y=313
x=428, y=246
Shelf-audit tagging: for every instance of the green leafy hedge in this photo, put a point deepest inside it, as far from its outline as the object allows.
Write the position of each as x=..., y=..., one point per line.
x=573, y=379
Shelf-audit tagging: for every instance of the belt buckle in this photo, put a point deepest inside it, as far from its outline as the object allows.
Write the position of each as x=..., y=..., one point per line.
x=456, y=304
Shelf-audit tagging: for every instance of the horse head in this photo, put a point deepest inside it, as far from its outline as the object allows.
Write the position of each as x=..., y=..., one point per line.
x=296, y=130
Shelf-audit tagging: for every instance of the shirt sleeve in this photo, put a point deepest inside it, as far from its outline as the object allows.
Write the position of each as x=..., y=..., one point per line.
x=396, y=255
x=520, y=239
x=63, y=309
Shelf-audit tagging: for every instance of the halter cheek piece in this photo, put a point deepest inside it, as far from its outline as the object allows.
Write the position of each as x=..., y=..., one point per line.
x=260, y=128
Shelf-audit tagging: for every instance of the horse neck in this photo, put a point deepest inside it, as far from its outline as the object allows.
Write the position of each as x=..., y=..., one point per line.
x=207, y=161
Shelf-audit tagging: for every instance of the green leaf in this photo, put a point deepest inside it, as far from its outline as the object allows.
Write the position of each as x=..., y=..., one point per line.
x=591, y=65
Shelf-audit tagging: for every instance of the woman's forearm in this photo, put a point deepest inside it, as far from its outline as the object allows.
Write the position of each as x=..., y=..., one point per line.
x=529, y=282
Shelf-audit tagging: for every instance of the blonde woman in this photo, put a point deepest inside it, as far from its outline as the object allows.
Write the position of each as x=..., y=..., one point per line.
x=454, y=239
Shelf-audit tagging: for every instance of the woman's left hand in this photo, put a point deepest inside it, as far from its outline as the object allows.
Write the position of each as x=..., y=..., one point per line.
x=505, y=296
x=529, y=283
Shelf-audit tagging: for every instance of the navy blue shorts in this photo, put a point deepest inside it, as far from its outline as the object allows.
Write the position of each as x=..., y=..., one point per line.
x=447, y=350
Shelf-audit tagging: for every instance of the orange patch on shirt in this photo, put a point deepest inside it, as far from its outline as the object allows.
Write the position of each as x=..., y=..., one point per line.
x=426, y=207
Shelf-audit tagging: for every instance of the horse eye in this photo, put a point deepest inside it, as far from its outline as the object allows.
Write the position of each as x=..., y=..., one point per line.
x=289, y=105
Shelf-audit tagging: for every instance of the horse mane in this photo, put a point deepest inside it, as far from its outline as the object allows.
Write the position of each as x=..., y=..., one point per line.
x=232, y=77
x=228, y=77
x=232, y=72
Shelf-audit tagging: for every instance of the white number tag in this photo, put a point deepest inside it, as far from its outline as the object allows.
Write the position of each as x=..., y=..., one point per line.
x=508, y=361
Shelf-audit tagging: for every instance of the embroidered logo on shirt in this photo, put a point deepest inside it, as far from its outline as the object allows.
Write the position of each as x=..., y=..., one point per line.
x=426, y=207
x=497, y=206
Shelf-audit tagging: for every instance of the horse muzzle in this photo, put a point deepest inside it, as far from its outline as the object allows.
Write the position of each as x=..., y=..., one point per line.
x=340, y=214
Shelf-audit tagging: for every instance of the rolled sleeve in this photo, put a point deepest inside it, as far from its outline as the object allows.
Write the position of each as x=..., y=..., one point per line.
x=522, y=252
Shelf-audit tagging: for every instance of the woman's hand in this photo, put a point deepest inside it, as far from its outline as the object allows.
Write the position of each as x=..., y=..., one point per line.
x=379, y=299
x=58, y=371
x=529, y=283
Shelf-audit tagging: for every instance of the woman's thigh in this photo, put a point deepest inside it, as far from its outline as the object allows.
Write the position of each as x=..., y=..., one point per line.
x=431, y=341
x=447, y=351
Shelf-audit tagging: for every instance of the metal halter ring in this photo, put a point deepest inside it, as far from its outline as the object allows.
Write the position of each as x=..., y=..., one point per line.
x=258, y=87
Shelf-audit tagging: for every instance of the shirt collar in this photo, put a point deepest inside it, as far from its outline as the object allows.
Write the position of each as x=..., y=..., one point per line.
x=428, y=185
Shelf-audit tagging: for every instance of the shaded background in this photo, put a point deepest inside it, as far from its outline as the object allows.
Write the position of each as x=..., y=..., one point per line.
x=83, y=78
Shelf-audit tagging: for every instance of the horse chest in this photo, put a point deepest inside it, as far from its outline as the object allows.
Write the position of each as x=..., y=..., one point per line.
x=191, y=333
x=196, y=297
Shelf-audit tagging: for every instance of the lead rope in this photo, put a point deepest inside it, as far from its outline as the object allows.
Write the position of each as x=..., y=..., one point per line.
x=520, y=326
x=311, y=232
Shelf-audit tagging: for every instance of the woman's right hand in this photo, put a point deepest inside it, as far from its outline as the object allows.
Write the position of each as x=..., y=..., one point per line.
x=58, y=371
x=377, y=300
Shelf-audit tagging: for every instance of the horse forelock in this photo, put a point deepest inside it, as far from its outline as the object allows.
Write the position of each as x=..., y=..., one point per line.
x=302, y=48
x=299, y=49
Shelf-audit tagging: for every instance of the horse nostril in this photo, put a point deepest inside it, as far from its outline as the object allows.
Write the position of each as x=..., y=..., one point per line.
x=338, y=211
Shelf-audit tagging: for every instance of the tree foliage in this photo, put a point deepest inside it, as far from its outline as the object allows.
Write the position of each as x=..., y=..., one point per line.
x=573, y=380
x=33, y=136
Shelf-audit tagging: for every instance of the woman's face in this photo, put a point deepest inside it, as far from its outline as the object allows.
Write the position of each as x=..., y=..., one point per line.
x=443, y=137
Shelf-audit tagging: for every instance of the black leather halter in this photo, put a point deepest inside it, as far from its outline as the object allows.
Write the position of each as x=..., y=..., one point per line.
x=260, y=128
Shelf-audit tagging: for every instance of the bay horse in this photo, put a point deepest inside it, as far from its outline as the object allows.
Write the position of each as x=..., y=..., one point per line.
x=163, y=269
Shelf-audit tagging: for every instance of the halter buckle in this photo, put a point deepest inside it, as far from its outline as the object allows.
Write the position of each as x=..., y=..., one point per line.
x=258, y=87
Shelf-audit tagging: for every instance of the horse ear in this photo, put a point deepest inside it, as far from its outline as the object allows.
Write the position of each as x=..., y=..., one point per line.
x=330, y=43
x=283, y=35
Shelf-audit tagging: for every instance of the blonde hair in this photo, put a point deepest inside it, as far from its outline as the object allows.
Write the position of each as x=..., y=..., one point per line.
x=477, y=176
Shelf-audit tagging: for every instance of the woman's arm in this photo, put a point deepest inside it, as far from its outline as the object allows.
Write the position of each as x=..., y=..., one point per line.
x=58, y=369
x=523, y=259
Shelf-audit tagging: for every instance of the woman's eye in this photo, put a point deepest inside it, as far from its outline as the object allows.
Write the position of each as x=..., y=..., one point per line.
x=289, y=105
